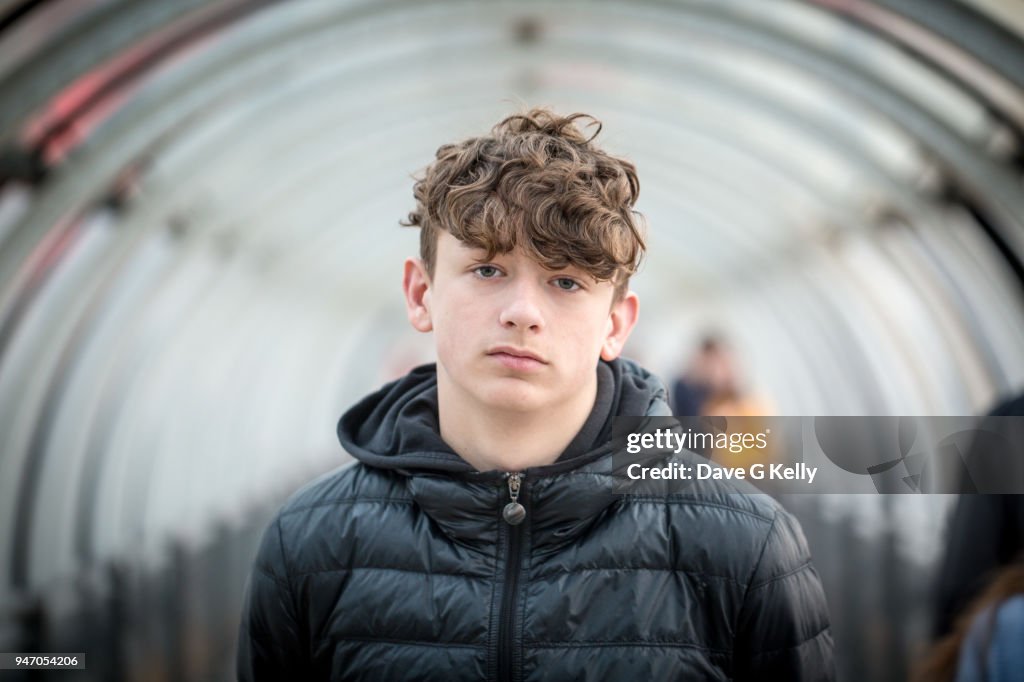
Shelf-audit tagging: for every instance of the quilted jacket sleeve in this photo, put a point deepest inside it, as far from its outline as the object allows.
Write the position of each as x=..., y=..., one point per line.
x=270, y=641
x=784, y=629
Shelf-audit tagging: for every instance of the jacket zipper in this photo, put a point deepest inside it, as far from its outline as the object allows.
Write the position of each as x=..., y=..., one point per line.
x=513, y=517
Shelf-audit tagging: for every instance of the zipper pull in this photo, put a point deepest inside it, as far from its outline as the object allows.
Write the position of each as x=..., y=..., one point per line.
x=514, y=513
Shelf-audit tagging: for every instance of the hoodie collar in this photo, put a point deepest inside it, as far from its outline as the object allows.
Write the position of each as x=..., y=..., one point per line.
x=396, y=428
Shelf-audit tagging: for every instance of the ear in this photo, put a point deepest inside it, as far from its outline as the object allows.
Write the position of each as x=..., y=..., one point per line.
x=416, y=285
x=621, y=321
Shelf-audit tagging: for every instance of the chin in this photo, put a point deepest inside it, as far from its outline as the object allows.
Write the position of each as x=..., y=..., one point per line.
x=513, y=395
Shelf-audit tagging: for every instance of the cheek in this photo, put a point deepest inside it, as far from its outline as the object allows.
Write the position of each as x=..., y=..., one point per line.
x=446, y=335
x=596, y=326
x=585, y=343
x=456, y=328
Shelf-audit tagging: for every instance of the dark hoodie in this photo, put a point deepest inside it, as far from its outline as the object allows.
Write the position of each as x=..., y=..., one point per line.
x=402, y=567
x=397, y=427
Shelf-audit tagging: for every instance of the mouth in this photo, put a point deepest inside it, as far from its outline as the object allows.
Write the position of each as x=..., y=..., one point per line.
x=516, y=353
x=517, y=358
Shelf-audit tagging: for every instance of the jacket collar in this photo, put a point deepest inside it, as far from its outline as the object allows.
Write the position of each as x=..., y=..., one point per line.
x=396, y=428
x=560, y=504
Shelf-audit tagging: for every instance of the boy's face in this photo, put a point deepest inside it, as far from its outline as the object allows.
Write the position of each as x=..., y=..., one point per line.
x=510, y=334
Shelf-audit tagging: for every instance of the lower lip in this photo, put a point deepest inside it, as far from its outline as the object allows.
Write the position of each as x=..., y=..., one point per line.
x=517, y=362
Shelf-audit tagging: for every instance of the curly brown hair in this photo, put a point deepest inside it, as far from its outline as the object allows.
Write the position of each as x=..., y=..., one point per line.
x=538, y=183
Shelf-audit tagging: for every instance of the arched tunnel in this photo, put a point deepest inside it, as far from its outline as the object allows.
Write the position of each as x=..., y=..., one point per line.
x=200, y=263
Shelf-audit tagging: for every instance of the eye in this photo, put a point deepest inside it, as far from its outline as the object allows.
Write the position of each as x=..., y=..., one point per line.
x=567, y=284
x=487, y=271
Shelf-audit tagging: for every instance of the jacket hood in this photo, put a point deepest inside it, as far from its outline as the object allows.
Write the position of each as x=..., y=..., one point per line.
x=397, y=428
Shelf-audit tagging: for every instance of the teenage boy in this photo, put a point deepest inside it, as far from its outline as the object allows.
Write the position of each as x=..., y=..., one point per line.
x=479, y=536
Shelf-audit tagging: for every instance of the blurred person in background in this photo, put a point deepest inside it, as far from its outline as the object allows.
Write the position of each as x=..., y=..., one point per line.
x=987, y=640
x=711, y=385
x=986, y=531
x=691, y=388
x=479, y=534
x=979, y=623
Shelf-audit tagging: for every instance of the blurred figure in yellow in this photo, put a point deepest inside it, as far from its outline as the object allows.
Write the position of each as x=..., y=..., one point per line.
x=711, y=386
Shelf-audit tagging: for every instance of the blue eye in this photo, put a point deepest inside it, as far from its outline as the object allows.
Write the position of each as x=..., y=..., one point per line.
x=486, y=271
x=566, y=284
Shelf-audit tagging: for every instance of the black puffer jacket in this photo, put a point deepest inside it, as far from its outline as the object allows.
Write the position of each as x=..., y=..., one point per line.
x=401, y=566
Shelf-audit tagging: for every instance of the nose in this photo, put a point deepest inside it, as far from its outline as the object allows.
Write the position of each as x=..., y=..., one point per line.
x=522, y=308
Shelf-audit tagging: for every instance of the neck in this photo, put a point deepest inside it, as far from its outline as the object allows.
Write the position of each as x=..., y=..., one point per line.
x=509, y=440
